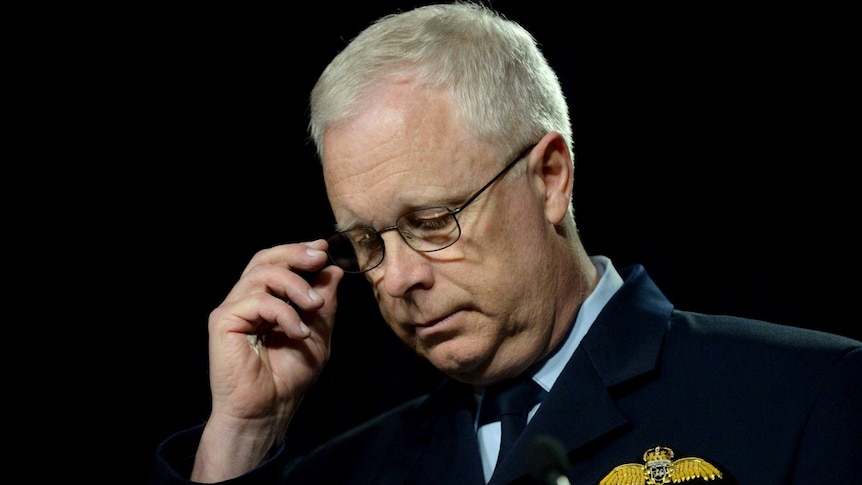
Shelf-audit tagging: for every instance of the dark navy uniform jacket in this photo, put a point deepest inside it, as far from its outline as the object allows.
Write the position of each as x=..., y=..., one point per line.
x=760, y=403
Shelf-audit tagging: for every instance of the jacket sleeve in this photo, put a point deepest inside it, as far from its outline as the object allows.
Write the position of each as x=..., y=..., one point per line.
x=173, y=460
x=831, y=444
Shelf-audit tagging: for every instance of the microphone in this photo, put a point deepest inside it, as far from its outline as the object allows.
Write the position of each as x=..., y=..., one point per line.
x=548, y=462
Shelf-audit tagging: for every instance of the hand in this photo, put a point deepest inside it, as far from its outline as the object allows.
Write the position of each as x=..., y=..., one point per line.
x=268, y=342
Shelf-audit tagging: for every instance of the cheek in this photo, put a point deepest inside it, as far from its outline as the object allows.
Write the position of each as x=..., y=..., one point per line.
x=516, y=227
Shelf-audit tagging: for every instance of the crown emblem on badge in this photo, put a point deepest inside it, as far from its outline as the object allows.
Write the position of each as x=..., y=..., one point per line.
x=659, y=453
x=659, y=468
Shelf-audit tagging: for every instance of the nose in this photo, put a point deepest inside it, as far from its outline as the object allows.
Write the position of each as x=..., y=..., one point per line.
x=403, y=268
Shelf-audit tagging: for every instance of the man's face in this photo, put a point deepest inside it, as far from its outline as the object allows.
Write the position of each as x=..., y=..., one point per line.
x=478, y=309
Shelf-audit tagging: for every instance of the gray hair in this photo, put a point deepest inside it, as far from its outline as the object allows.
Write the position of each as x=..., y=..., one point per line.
x=504, y=90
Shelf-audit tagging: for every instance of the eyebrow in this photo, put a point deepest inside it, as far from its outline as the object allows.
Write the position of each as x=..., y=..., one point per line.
x=352, y=223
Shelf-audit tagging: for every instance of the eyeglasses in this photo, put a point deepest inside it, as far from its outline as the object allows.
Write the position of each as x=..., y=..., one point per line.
x=425, y=230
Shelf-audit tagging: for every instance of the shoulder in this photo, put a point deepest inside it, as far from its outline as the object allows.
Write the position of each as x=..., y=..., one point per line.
x=748, y=347
x=739, y=330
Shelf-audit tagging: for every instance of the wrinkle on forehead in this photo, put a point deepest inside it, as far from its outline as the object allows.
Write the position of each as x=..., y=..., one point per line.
x=379, y=195
x=405, y=149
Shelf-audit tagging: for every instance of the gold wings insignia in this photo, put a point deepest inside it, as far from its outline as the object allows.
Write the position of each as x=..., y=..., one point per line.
x=659, y=468
x=685, y=469
x=628, y=474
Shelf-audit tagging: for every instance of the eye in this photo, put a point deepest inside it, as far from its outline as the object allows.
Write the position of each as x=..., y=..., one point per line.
x=364, y=241
x=424, y=221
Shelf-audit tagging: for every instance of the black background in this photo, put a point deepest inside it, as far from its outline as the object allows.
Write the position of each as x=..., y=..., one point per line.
x=713, y=146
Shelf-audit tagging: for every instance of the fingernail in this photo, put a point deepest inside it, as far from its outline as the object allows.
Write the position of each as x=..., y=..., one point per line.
x=315, y=253
x=314, y=295
x=304, y=328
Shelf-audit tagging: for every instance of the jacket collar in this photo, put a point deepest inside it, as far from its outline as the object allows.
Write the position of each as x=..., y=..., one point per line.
x=623, y=343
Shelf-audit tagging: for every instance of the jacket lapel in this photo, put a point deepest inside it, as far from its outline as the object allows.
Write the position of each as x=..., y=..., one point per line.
x=623, y=343
x=447, y=450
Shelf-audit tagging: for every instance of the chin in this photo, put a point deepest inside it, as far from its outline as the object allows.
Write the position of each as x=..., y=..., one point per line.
x=461, y=362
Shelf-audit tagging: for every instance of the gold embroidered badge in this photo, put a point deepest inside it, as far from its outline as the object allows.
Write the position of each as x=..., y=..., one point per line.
x=659, y=467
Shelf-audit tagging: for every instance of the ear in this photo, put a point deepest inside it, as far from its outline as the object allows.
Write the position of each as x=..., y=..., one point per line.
x=556, y=176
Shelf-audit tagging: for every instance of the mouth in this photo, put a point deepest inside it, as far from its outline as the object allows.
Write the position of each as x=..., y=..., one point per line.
x=427, y=327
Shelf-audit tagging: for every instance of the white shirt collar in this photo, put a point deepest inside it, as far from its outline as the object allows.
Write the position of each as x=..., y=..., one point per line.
x=609, y=283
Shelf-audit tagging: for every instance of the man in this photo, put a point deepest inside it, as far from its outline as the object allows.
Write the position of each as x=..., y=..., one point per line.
x=446, y=150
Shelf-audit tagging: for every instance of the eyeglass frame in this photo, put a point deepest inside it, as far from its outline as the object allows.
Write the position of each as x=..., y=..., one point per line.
x=450, y=212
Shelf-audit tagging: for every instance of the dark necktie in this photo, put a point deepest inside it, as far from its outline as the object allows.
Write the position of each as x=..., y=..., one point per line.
x=510, y=403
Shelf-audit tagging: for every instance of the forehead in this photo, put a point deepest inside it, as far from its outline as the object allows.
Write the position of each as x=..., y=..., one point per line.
x=406, y=149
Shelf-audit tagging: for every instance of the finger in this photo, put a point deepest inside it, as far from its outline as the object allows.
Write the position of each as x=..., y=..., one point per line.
x=256, y=314
x=301, y=257
x=317, y=306
x=279, y=282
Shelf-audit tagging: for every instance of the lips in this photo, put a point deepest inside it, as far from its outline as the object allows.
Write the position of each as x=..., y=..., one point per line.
x=428, y=327
x=435, y=321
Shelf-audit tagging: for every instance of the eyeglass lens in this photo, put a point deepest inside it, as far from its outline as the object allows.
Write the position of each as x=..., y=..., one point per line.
x=361, y=249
